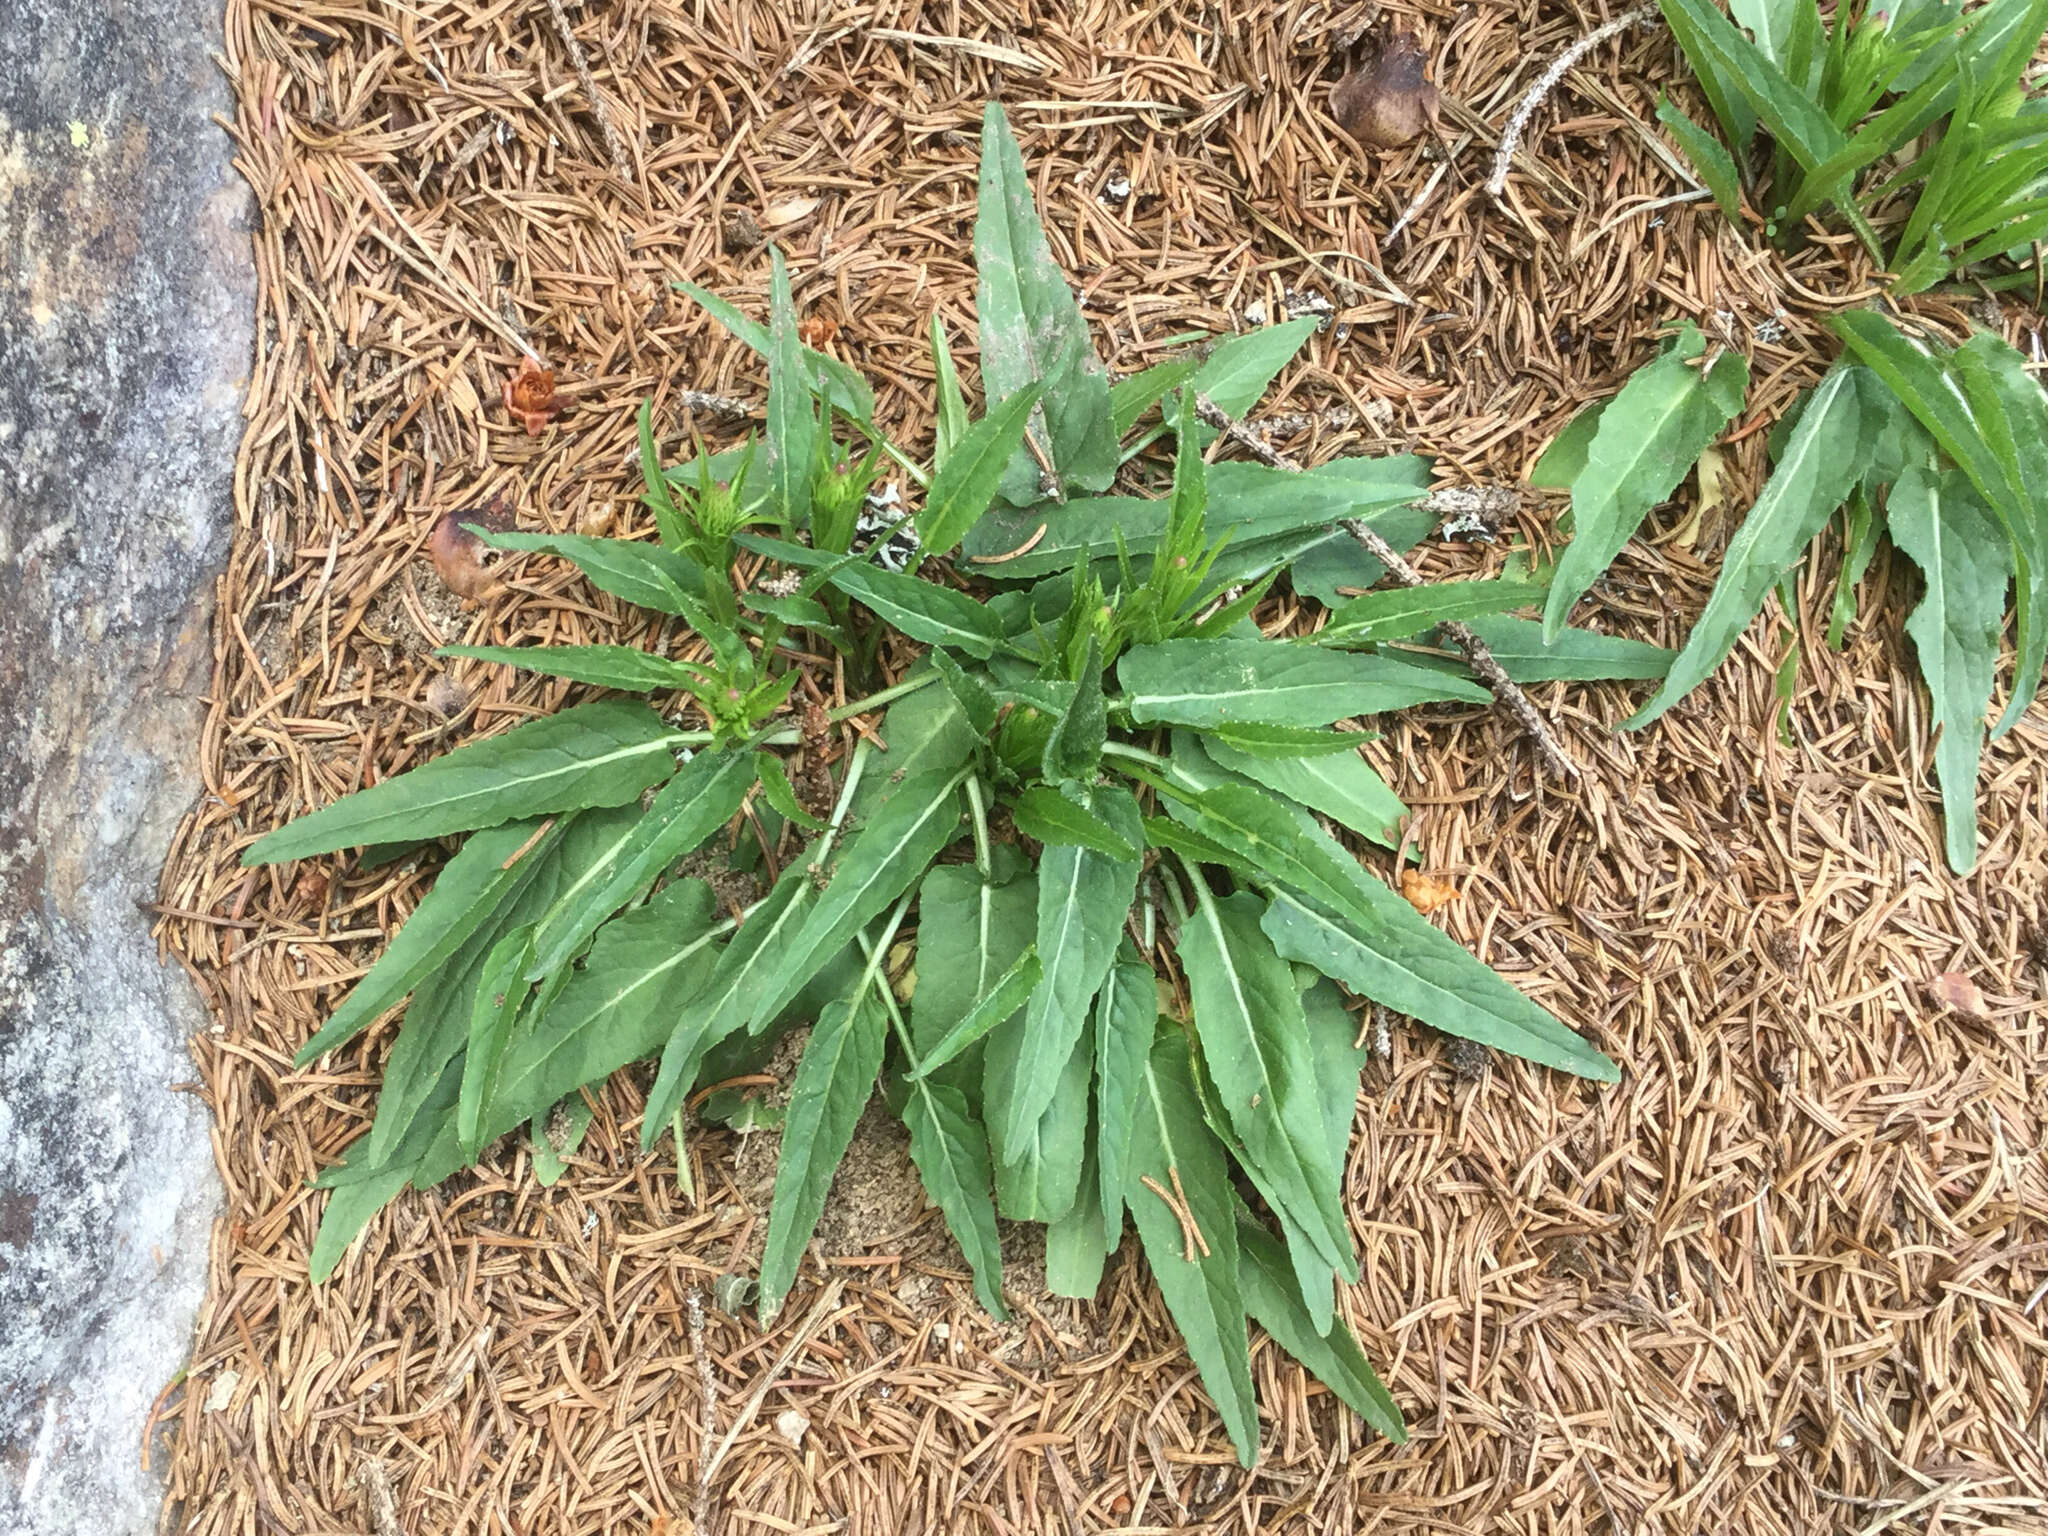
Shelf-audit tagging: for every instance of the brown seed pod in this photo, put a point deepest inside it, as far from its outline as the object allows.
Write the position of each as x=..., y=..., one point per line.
x=461, y=559
x=1387, y=101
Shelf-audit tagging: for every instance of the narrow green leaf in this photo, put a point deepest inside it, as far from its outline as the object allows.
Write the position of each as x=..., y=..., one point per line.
x=465, y=894
x=1287, y=742
x=972, y=469
x=1822, y=461
x=1334, y=566
x=553, y=1139
x=1083, y=898
x=1168, y=1138
x=833, y=1082
x=350, y=1208
x=1711, y=42
x=1267, y=842
x=781, y=794
x=1403, y=962
x=1075, y=1245
x=591, y=755
x=1263, y=682
x=1343, y=787
x=792, y=415
x=1576, y=655
x=971, y=931
x=880, y=863
x=952, y=405
x=1038, y=1172
x=1074, y=749
x=1859, y=544
x=646, y=575
x=927, y=732
x=1032, y=330
x=1130, y=398
x=1237, y=370
x=502, y=990
x=625, y=667
x=923, y=610
x=1010, y=992
x=1126, y=1010
x=1399, y=612
x=970, y=691
x=1710, y=158
x=690, y=809
x=1254, y=1038
x=1649, y=436
x=1336, y=1360
x=950, y=1150
x=1951, y=535
x=834, y=381
x=1052, y=816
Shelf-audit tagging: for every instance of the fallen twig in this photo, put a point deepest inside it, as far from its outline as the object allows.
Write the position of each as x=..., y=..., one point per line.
x=1483, y=664
x=1518, y=120
x=707, y=1414
x=598, y=109
x=805, y=1332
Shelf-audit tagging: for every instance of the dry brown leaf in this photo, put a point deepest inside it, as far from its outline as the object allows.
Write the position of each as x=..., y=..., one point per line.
x=465, y=564
x=817, y=331
x=1426, y=893
x=1388, y=100
x=1715, y=479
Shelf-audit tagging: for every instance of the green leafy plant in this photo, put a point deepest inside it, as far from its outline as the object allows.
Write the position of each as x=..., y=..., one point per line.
x=1911, y=121
x=1938, y=447
x=1097, y=812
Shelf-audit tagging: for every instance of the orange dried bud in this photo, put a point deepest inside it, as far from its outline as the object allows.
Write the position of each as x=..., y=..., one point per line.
x=530, y=396
x=1386, y=101
x=1426, y=893
x=817, y=331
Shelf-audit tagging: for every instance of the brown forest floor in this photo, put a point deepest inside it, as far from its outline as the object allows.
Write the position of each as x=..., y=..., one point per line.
x=1776, y=1281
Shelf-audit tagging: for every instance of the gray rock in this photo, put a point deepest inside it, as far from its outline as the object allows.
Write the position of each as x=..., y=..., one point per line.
x=126, y=307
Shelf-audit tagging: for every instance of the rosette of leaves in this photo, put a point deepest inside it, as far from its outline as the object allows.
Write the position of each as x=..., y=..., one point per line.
x=1097, y=835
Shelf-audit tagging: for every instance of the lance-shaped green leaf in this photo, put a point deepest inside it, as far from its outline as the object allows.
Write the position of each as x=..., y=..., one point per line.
x=1268, y=842
x=1286, y=742
x=501, y=991
x=1331, y=1355
x=880, y=862
x=691, y=807
x=1710, y=159
x=833, y=1082
x=1038, y=1172
x=465, y=894
x=1263, y=682
x=1951, y=535
x=1075, y=1245
x=1822, y=462
x=1249, y=502
x=951, y=411
x=624, y=667
x=1010, y=992
x=1056, y=816
x=1343, y=786
x=970, y=691
x=927, y=732
x=1399, y=612
x=781, y=794
x=1126, y=1011
x=971, y=469
x=618, y=1007
x=1740, y=73
x=923, y=610
x=1083, y=898
x=1032, y=330
x=646, y=575
x=1173, y=1150
x=1237, y=370
x=971, y=932
x=367, y=1185
x=1334, y=566
x=746, y=969
x=834, y=381
x=1401, y=961
x=792, y=415
x=1649, y=436
x=436, y=1023
x=1255, y=1040
x=598, y=754
x=1130, y=398
x=950, y=1149
x=1576, y=655
x=1074, y=749
x=2009, y=406
x=1332, y=1036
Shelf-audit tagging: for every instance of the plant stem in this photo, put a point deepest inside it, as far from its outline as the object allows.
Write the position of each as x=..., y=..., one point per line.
x=875, y=952
x=886, y=696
